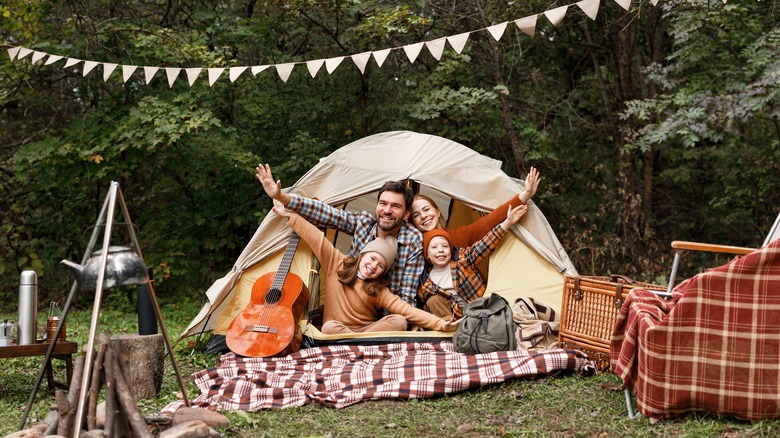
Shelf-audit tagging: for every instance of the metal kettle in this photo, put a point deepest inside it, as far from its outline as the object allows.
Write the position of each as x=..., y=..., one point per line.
x=123, y=267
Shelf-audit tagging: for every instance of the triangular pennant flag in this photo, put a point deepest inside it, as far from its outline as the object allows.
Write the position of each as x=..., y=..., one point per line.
x=192, y=74
x=380, y=56
x=70, y=62
x=497, y=31
x=436, y=47
x=284, y=70
x=360, y=60
x=332, y=63
x=13, y=51
x=214, y=74
x=108, y=68
x=655, y=2
x=172, y=73
x=556, y=15
x=591, y=7
x=258, y=68
x=527, y=25
x=23, y=51
x=149, y=73
x=52, y=59
x=235, y=72
x=314, y=66
x=458, y=42
x=127, y=71
x=37, y=56
x=625, y=4
x=412, y=50
x=89, y=66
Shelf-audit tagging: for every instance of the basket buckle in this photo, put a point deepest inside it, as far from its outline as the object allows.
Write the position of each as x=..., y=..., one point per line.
x=577, y=290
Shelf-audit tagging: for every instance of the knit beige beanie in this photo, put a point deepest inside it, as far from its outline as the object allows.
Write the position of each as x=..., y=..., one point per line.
x=386, y=246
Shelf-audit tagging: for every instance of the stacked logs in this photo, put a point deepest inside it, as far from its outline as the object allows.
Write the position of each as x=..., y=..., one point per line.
x=118, y=415
x=122, y=415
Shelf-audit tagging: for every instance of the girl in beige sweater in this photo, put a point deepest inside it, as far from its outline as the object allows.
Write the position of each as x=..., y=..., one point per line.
x=355, y=289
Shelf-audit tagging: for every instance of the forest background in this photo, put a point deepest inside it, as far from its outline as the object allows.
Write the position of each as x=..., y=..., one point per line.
x=648, y=125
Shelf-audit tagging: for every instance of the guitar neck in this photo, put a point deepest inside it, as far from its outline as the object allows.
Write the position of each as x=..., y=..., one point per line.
x=287, y=258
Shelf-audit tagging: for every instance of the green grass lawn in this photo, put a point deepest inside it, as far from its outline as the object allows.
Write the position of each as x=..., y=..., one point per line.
x=567, y=405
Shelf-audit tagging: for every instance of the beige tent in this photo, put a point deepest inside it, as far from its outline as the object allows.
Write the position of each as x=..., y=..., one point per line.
x=530, y=262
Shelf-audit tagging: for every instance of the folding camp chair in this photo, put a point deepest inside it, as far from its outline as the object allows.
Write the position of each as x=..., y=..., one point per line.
x=682, y=246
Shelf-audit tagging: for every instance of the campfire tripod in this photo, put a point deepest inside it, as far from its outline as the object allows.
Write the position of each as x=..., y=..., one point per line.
x=109, y=206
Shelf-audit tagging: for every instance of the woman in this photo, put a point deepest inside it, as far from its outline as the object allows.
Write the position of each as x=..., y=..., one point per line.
x=355, y=288
x=426, y=215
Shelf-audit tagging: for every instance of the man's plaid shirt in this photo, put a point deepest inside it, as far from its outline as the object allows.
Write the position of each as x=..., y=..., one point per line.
x=409, y=263
x=468, y=283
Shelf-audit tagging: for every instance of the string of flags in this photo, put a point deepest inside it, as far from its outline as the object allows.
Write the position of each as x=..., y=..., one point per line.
x=436, y=48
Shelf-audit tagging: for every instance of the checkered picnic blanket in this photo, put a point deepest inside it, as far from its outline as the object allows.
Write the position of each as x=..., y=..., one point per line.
x=338, y=376
x=714, y=347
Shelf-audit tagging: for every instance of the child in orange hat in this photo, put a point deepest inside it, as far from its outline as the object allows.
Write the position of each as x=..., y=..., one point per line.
x=451, y=278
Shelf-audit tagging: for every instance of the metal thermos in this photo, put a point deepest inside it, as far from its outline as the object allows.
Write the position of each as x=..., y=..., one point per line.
x=28, y=308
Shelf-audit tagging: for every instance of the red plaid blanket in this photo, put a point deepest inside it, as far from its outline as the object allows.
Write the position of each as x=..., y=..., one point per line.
x=339, y=376
x=714, y=347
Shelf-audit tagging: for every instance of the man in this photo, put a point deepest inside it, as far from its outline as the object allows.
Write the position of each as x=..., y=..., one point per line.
x=393, y=206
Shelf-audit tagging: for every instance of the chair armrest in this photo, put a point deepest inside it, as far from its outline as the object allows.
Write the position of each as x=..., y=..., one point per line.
x=710, y=247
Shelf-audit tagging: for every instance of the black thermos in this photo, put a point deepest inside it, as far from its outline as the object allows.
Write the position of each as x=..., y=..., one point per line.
x=147, y=319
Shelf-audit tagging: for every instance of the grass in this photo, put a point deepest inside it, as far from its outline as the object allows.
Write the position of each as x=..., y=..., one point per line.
x=563, y=406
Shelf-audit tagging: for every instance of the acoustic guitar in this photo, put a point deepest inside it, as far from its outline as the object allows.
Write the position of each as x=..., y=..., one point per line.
x=268, y=326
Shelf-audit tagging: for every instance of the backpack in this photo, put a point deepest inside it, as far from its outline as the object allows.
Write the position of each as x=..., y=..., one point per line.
x=537, y=325
x=487, y=326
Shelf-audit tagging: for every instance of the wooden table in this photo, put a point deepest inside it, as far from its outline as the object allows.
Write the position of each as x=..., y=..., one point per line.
x=63, y=350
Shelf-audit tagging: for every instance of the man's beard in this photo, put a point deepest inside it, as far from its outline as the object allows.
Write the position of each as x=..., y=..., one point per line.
x=394, y=226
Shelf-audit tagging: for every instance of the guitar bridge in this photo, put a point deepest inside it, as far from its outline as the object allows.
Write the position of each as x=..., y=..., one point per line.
x=261, y=329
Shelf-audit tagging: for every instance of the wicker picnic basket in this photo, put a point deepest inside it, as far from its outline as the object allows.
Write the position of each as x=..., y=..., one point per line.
x=590, y=310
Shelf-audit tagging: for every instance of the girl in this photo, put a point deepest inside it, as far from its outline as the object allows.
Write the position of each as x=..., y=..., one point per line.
x=453, y=279
x=356, y=288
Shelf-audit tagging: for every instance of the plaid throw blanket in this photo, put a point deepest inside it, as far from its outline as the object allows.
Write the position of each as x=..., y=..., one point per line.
x=338, y=376
x=714, y=347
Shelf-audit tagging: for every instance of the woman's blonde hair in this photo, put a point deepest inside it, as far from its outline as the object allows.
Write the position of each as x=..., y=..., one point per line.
x=347, y=275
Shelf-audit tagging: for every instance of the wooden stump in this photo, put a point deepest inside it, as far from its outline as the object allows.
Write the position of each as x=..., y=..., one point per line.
x=142, y=358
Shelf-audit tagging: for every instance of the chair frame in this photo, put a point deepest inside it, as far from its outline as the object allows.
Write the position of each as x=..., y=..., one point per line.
x=679, y=247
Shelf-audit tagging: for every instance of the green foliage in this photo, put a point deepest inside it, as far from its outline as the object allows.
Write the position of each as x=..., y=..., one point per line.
x=648, y=126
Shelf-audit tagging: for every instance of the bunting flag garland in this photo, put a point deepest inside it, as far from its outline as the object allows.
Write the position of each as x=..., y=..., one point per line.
x=127, y=71
x=435, y=47
x=556, y=15
x=412, y=50
x=108, y=68
x=284, y=70
x=380, y=56
x=332, y=63
x=37, y=56
x=497, y=31
x=235, y=72
x=52, y=59
x=360, y=60
x=314, y=66
x=458, y=42
x=214, y=74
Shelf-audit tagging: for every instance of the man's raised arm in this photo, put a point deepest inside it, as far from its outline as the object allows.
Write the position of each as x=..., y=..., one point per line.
x=317, y=212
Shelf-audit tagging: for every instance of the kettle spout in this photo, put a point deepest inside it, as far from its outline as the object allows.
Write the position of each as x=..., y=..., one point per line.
x=76, y=268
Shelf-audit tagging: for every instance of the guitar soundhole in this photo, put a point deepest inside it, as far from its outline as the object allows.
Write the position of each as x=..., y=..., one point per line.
x=273, y=296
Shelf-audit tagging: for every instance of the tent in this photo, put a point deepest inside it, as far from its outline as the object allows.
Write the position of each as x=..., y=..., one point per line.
x=530, y=262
